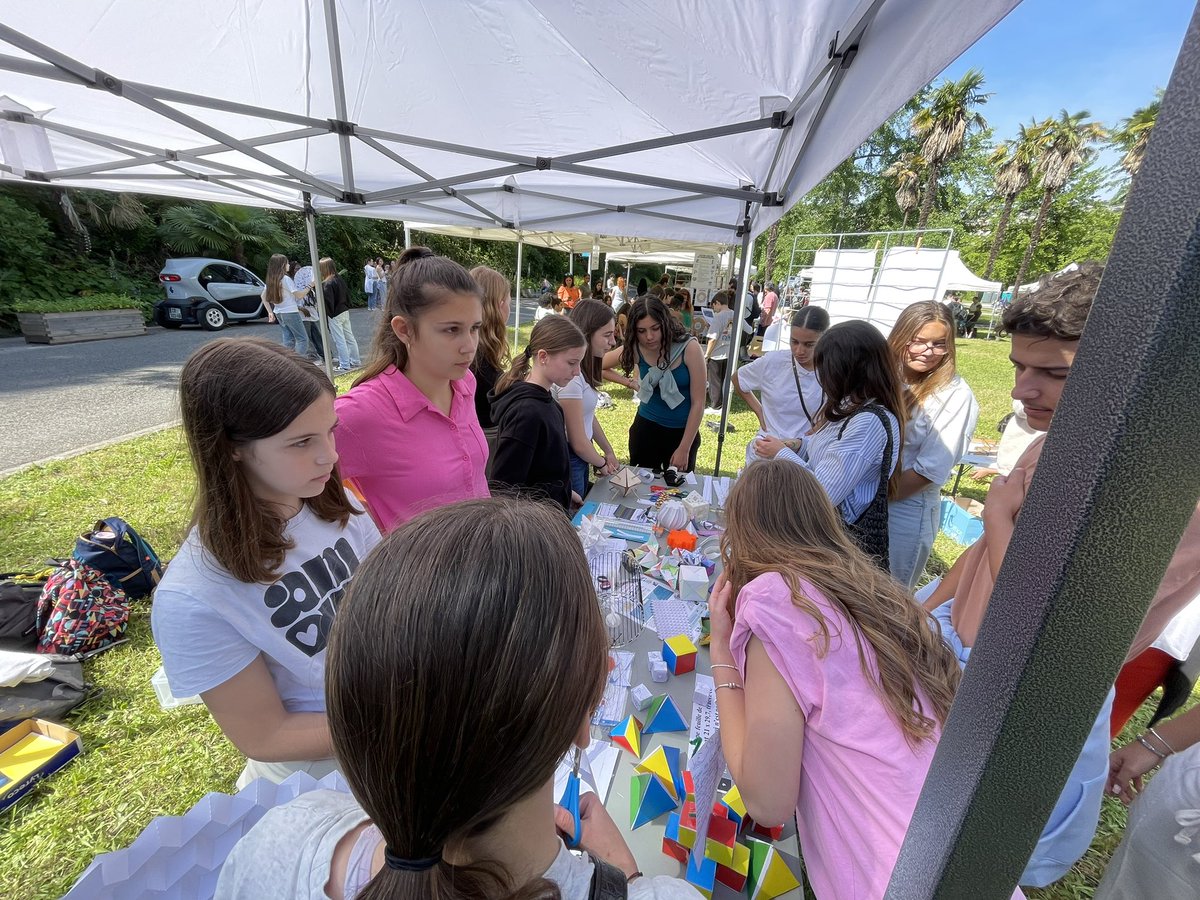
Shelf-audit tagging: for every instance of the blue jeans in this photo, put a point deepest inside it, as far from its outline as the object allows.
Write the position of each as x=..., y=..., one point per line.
x=579, y=474
x=295, y=337
x=912, y=526
x=344, y=341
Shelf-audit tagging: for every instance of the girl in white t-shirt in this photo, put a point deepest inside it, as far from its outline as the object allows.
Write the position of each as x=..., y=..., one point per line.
x=786, y=381
x=942, y=416
x=282, y=301
x=579, y=398
x=243, y=612
x=462, y=670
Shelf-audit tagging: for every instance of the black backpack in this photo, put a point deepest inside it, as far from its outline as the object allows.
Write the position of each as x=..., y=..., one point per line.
x=50, y=698
x=18, y=613
x=123, y=555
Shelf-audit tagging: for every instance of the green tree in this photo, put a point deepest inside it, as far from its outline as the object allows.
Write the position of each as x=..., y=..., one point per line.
x=1133, y=134
x=1064, y=145
x=221, y=230
x=1014, y=162
x=906, y=172
x=942, y=126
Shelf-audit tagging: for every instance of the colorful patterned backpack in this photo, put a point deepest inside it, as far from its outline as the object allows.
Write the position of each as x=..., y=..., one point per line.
x=80, y=611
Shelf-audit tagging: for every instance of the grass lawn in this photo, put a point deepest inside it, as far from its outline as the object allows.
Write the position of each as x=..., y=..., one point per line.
x=141, y=762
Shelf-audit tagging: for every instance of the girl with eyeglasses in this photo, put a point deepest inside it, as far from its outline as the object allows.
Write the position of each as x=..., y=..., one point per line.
x=942, y=415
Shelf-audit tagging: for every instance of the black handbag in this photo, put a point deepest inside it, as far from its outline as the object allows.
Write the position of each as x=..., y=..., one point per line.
x=870, y=530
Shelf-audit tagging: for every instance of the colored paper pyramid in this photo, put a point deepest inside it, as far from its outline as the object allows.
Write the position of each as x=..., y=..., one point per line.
x=663, y=715
x=667, y=764
x=628, y=734
x=701, y=873
x=735, y=809
x=648, y=799
x=679, y=653
x=770, y=874
x=718, y=844
x=735, y=876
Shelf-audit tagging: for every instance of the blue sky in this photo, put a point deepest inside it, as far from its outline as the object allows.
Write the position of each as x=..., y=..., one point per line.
x=1105, y=56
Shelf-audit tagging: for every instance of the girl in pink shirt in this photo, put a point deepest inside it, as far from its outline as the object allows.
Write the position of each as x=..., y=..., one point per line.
x=832, y=686
x=408, y=436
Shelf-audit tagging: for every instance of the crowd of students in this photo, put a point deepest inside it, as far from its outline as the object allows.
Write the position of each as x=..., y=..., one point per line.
x=357, y=574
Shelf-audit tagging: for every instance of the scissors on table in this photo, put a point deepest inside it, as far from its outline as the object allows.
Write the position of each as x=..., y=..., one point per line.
x=570, y=801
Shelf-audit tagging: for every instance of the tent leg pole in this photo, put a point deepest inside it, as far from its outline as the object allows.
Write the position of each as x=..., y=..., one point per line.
x=517, y=294
x=310, y=226
x=735, y=347
x=407, y=237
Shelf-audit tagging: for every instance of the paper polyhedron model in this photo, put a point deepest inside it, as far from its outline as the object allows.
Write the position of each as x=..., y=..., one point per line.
x=667, y=764
x=693, y=584
x=628, y=734
x=648, y=799
x=718, y=844
x=701, y=873
x=641, y=697
x=771, y=873
x=658, y=668
x=679, y=653
x=695, y=505
x=625, y=481
x=735, y=809
x=735, y=876
x=663, y=715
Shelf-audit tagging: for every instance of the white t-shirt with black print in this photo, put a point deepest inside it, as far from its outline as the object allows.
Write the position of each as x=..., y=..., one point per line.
x=209, y=625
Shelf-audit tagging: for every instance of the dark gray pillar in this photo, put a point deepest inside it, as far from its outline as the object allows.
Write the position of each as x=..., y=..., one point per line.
x=1113, y=491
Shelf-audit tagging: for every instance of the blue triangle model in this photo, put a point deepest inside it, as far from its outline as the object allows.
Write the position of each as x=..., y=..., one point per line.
x=666, y=718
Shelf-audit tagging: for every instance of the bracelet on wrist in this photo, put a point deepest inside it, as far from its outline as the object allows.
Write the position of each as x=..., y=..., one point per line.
x=1158, y=737
x=632, y=877
x=733, y=685
x=725, y=666
x=1141, y=739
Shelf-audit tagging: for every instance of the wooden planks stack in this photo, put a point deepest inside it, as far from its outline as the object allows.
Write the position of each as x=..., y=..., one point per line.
x=69, y=327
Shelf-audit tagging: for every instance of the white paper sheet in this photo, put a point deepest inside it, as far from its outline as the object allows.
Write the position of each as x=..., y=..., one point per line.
x=672, y=617
x=707, y=767
x=622, y=673
x=612, y=706
x=705, y=721
x=597, y=768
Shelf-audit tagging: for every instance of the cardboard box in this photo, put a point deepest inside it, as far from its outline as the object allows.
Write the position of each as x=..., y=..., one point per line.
x=30, y=751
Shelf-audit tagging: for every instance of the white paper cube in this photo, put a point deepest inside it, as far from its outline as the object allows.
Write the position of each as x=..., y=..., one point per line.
x=696, y=507
x=693, y=584
x=641, y=696
x=658, y=667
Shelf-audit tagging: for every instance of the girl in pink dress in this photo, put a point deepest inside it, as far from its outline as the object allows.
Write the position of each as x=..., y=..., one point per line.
x=832, y=686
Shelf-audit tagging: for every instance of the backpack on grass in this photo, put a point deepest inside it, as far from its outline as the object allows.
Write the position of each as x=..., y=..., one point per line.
x=80, y=611
x=18, y=613
x=122, y=555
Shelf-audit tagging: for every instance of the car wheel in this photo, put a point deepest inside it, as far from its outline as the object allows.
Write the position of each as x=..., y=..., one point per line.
x=213, y=318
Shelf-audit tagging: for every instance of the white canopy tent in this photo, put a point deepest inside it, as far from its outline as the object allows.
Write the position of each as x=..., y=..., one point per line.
x=480, y=113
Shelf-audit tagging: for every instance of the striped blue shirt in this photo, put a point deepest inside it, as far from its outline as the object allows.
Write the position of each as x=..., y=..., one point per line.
x=848, y=468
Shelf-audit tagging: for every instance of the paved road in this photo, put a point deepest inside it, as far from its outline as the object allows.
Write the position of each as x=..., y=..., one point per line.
x=61, y=400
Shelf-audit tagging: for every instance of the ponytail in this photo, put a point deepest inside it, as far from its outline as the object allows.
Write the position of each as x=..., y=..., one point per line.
x=554, y=334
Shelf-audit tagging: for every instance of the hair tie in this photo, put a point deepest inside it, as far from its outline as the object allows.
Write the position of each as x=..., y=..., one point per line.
x=395, y=861
x=528, y=354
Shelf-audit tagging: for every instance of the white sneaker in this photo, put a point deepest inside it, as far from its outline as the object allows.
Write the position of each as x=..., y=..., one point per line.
x=712, y=411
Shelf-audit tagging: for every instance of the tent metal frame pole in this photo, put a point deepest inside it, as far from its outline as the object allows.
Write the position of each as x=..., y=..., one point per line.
x=517, y=293
x=407, y=236
x=449, y=181
x=671, y=140
x=421, y=173
x=525, y=161
x=95, y=78
x=52, y=73
x=423, y=205
x=339, y=92
x=310, y=228
x=545, y=220
x=735, y=344
x=709, y=190
x=1103, y=517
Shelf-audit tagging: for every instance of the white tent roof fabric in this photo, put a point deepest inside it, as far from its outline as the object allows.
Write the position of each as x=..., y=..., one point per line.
x=483, y=113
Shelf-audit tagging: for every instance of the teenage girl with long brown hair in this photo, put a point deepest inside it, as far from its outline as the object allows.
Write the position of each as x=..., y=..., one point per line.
x=532, y=455
x=408, y=436
x=453, y=694
x=942, y=416
x=244, y=610
x=491, y=356
x=581, y=396
x=832, y=686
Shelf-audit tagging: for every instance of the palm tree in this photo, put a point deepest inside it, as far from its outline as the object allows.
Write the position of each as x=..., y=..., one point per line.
x=1014, y=162
x=943, y=125
x=220, y=229
x=1133, y=134
x=906, y=171
x=1064, y=145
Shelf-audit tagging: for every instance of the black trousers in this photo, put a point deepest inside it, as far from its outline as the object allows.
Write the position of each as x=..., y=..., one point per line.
x=651, y=445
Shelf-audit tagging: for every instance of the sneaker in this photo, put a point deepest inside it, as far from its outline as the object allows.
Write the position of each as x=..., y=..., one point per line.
x=712, y=410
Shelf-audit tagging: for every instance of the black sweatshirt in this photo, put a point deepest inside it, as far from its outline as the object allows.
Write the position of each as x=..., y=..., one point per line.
x=531, y=445
x=337, y=296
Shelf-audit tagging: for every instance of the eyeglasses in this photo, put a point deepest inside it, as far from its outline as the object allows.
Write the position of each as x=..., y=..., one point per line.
x=939, y=348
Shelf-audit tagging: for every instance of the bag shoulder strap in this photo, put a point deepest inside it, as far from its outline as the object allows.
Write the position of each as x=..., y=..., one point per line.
x=608, y=882
x=885, y=466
